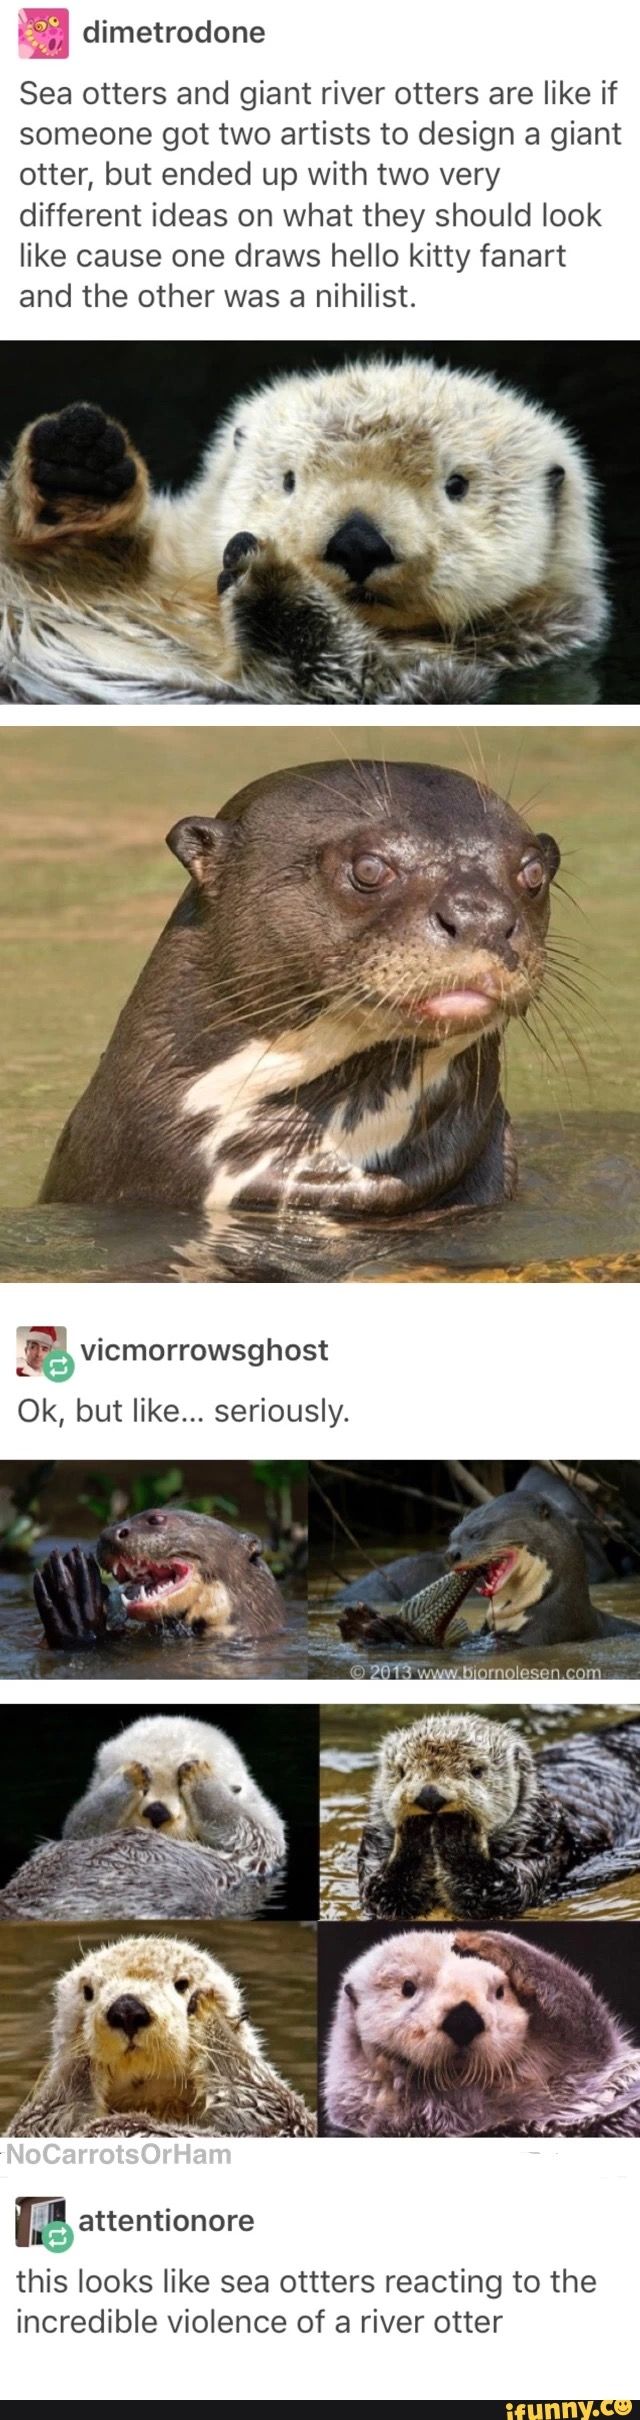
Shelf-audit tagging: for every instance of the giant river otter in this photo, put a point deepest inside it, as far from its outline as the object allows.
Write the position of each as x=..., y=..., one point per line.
x=519, y=1552
x=475, y=2033
x=149, y=2036
x=320, y=1023
x=175, y=1567
x=385, y=530
x=463, y=1818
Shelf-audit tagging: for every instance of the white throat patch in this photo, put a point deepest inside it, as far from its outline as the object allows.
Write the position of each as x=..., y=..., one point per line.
x=522, y=1588
x=236, y=1091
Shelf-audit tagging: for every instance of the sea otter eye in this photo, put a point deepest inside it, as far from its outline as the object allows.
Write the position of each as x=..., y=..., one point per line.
x=532, y=874
x=477, y=1772
x=87, y=1991
x=370, y=873
x=236, y=1788
x=500, y=1992
x=409, y=1990
x=456, y=486
x=556, y=478
x=182, y=1983
x=289, y=482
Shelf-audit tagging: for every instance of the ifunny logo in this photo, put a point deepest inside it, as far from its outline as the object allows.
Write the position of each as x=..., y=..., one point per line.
x=567, y=2411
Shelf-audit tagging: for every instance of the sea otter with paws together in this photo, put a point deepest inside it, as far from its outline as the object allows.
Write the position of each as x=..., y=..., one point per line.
x=388, y=531
x=463, y=1818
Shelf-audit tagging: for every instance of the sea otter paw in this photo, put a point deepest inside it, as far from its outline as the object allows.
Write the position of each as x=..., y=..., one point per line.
x=71, y=1599
x=79, y=454
x=237, y=558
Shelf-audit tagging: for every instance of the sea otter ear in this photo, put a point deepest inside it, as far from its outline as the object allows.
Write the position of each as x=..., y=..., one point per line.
x=200, y=842
x=351, y=1993
x=550, y=852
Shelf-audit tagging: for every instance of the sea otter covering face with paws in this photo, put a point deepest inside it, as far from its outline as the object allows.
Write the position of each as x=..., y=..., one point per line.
x=388, y=531
x=319, y=1025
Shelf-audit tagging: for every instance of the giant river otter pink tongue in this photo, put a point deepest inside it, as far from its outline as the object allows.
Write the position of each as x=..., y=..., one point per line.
x=319, y=1025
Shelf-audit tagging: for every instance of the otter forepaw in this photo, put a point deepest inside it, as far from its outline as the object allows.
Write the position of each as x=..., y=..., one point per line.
x=71, y=1599
x=79, y=452
x=236, y=558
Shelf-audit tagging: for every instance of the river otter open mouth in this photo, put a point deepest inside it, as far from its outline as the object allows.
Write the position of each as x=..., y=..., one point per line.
x=492, y=1576
x=150, y=1590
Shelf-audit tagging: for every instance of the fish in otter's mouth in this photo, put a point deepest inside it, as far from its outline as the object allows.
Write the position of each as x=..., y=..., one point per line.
x=152, y=1589
x=512, y=1581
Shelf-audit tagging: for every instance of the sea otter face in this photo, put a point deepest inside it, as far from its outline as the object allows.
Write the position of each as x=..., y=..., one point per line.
x=136, y=2009
x=166, y=1755
x=516, y=1542
x=427, y=498
x=176, y=1564
x=375, y=902
x=413, y=1999
x=451, y=1764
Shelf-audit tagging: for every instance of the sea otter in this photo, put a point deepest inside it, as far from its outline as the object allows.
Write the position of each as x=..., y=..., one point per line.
x=464, y=1819
x=172, y=1824
x=389, y=531
x=319, y=1026
x=176, y=1567
x=475, y=2034
x=149, y=2034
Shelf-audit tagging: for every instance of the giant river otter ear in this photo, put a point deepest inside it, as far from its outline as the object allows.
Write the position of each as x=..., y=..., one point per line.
x=201, y=843
x=550, y=852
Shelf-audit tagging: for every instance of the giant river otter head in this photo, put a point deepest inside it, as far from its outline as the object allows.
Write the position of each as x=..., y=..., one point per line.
x=520, y=1547
x=180, y=1565
x=366, y=903
x=429, y=498
x=142, y=2011
x=448, y=1764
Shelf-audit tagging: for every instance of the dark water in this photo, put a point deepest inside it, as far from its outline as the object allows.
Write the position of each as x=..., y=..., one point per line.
x=138, y=1654
x=334, y=1658
x=350, y=1739
x=576, y=1216
x=275, y=1964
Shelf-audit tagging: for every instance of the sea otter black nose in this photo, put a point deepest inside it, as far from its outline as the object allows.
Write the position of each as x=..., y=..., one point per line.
x=128, y=2015
x=156, y=1814
x=358, y=548
x=430, y=1800
x=478, y=916
x=462, y=2023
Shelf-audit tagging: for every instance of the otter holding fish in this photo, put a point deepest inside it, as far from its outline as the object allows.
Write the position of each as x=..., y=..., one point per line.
x=173, y=1568
x=524, y=1557
x=320, y=1023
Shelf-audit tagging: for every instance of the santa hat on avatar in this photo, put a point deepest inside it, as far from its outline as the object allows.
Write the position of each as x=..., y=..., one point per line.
x=41, y=1336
